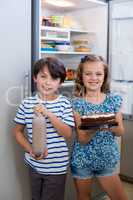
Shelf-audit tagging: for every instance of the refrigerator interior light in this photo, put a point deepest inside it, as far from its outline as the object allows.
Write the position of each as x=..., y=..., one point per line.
x=97, y=1
x=60, y=3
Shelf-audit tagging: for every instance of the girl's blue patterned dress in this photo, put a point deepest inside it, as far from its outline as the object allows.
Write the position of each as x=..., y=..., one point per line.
x=102, y=151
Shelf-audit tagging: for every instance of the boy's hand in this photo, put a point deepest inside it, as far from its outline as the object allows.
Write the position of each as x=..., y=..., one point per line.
x=32, y=154
x=40, y=109
x=42, y=156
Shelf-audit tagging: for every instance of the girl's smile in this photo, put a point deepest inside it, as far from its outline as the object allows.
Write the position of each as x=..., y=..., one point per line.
x=93, y=76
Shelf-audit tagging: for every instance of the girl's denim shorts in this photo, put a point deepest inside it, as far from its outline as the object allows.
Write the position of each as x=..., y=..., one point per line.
x=85, y=173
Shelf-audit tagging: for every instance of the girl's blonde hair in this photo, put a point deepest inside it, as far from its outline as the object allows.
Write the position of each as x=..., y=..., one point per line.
x=79, y=89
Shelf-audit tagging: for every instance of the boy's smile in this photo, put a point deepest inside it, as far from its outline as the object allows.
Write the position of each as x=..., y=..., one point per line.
x=46, y=85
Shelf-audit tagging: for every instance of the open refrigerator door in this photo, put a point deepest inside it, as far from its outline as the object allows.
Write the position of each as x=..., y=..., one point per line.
x=121, y=64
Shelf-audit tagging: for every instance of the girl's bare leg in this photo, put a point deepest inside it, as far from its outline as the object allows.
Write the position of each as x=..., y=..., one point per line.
x=83, y=188
x=113, y=187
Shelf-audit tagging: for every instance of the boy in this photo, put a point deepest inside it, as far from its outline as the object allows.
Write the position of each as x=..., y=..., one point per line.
x=47, y=172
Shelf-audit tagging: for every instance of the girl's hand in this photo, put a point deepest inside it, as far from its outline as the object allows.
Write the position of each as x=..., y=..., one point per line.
x=86, y=135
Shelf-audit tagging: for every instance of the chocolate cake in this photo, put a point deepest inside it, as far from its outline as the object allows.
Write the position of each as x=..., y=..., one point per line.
x=100, y=118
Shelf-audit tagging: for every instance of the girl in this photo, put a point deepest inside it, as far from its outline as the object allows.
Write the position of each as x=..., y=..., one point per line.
x=95, y=152
x=47, y=172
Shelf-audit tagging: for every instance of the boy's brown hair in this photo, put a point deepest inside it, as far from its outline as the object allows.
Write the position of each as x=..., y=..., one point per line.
x=55, y=67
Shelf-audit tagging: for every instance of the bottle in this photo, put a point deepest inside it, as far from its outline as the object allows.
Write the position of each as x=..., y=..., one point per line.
x=39, y=137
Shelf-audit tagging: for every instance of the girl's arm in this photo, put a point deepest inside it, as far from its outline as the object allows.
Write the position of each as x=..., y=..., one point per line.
x=83, y=136
x=118, y=130
x=18, y=132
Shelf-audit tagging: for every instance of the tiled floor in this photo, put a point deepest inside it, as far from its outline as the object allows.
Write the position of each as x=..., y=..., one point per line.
x=129, y=190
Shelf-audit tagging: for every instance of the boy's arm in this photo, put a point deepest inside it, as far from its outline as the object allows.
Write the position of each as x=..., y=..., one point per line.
x=18, y=132
x=62, y=128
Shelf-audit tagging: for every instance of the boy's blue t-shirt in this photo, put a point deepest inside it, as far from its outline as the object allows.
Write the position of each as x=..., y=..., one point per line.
x=58, y=159
x=102, y=151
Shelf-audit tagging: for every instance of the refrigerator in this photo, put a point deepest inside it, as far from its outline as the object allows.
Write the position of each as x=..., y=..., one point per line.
x=15, y=63
x=17, y=54
x=86, y=22
x=51, y=26
x=121, y=67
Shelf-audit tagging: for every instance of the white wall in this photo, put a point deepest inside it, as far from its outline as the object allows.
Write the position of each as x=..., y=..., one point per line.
x=15, y=45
